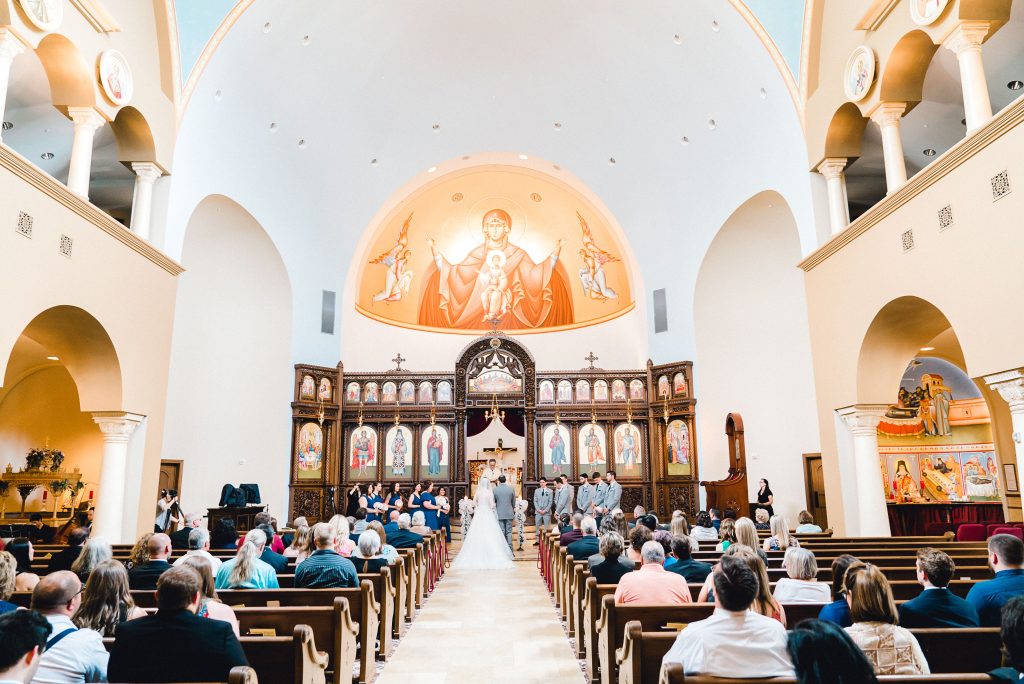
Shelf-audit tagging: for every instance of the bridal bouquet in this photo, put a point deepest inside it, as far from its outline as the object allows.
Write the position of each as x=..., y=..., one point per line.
x=466, y=509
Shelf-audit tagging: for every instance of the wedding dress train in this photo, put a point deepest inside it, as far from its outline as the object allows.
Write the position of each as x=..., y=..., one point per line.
x=484, y=547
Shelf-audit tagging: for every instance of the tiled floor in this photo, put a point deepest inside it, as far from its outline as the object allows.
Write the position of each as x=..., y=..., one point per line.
x=493, y=627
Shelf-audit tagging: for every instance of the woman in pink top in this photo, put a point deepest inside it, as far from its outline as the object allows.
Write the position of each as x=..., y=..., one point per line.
x=344, y=544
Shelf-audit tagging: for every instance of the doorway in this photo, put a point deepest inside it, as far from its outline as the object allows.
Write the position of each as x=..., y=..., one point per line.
x=170, y=478
x=814, y=485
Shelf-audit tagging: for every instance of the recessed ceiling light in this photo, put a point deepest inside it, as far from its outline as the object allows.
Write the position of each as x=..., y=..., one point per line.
x=273, y=127
x=436, y=127
x=611, y=160
x=684, y=140
x=218, y=95
x=302, y=143
x=523, y=157
x=374, y=162
x=465, y=157
x=558, y=126
x=764, y=94
x=53, y=358
x=266, y=27
x=306, y=40
x=8, y=125
x=712, y=124
x=928, y=152
x=432, y=169
x=927, y=348
x=715, y=26
x=1015, y=85
x=677, y=39
x=46, y=156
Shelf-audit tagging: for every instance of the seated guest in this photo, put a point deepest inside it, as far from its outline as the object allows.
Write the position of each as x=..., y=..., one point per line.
x=891, y=649
x=664, y=537
x=610, y=569
x=801, y=585
x=223, y=535
x=680, y=527
x=277, y=544
x=587, y=545
x=735, y=641
x=780, y=539
x=764, y=603
x=1012, y=636
x=95, y=551
x=652, y=584
x=63, y=559
x=838, y=612
x=72, y=654
x=179, y=539
x=387, y=551
x=564, y=523
x=822, y=653
x=638, y=536
x=24, y=578
x=746, y=534
x=106, y=600
x=761, y=519
x=716, y=518
x=638, y=512
x=405, y=538
x=367, y=558
x=8, y=569
x=360, y=525
x=419, y=523
x=344, y=544
x=246, y=570
x=937, y=606
x=392, y=525
x=805, y=524
x=191, y=648
x=23, y=636
x=727, y=534
x=209, y=605
x=140, y=551
x=39, y=532
x=573, y=534
x=1006, y=558
x=325, y=567
x=703, y=530
x=690, y=569
x=274, y=560
x=199, y=547
x=288, y=537
x=144, y=576
x=300, y=548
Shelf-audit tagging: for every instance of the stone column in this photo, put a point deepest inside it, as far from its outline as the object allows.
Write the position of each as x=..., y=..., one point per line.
x=887, y=117
x=965, y=41
x=117, y=427
x=10, y=47
x=1010, y=385
x=87, y=122
x=862, y=421
x=838, y=207
x=146, y=174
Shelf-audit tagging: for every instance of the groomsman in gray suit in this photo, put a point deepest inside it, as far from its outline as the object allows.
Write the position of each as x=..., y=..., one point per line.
x=600, y=490
x=563, y=497
x=542, y=499
x=584, y=495
x=612, y=495
x=505, y=508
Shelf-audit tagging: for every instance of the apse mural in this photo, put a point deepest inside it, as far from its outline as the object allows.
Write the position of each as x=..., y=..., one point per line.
x=935, y=443
x=311, y=452
x=518, y=251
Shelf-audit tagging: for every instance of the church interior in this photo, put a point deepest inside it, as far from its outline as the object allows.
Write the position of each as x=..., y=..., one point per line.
x=270, y=256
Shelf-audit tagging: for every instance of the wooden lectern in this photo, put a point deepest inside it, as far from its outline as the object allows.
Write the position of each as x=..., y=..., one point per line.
x=241, y=515
x=731, y=493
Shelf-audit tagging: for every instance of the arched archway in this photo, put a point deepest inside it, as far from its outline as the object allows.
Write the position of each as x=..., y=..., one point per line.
x=72, y=83
x=902, y=78
x=133, y=135
x=845, y=131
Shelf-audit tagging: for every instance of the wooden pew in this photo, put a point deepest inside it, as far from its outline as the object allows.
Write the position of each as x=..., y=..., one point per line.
x=673, y=674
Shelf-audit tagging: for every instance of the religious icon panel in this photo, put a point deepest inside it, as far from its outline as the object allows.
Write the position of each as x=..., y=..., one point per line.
x=547, y=391
x=618, y=390
x=352, y=393
x=362, y=452
x=389, y=393
x=582, y=391
x=407, y=392
x=444, y=392
x=564, y=392
x=326, y=390
x=311, y=452
x=663, y=389
x=371, y=393
x=308, y=389
x=677, y=448
x=435, y=451
x=557, y=448
x=592, y=446
x=628, y=450
x=679, y=385
x=426, y=393
x=600, y=391
x=636, y=390
x=398, y=463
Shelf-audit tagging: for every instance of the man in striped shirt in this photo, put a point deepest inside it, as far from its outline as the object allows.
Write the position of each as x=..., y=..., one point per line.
x=325, y=567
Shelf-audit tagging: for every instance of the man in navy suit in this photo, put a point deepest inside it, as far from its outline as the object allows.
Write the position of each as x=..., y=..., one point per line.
x=191, y=648
x=937, y=606
x=404, y=538
x=1006, y=556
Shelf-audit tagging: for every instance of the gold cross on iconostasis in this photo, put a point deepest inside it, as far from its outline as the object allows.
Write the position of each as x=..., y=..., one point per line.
x=398, y=361
x=591, y=358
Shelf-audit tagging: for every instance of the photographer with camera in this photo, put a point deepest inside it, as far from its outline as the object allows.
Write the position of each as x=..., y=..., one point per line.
x=167, y=510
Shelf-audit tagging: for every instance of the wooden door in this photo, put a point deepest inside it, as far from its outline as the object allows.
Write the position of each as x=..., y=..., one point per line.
x=814, y=480
x=170, y=478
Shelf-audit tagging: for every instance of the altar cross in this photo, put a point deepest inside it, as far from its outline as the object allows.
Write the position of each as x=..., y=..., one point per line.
x=398, y=361
x=495, y=322
x=591, y=358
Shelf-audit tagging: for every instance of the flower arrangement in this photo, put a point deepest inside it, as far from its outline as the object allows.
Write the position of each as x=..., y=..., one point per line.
x=38, y=459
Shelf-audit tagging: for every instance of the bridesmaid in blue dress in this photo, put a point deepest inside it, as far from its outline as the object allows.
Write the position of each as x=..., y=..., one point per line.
x=371, y=503
x=395, y=499
x=430, y=507
x=415, y=499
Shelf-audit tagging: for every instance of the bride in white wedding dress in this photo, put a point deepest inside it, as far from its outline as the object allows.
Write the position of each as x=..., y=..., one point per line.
x=484, y=547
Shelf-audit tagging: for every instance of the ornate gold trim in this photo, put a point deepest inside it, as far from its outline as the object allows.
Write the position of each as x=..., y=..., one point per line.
x=953, y=158
x=97, y=15
x=28, y=172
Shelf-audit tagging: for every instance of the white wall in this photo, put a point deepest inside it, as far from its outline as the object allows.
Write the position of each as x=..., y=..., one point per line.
x=228, y=414
x=750, y=315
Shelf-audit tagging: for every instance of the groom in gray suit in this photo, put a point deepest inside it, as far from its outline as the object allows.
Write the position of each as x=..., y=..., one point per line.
x=505, y=507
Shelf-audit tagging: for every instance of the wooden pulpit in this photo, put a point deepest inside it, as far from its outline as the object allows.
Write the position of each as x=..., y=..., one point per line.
x=731, y=493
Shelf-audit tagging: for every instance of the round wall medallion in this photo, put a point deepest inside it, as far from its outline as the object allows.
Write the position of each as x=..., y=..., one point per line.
x=457, y=197
x=925, y=12
x=535, y=196
x=859, y=74
x=45, y=15
x=116, y=77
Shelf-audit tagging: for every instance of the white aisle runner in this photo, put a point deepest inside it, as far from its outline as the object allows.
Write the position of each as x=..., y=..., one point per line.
x=490, y=627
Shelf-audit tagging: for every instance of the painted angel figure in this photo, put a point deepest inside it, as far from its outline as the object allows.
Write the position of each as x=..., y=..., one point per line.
x=594, y=258
x=399, y=277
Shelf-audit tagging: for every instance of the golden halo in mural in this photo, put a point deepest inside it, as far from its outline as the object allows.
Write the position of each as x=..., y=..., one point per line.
x=479, y=209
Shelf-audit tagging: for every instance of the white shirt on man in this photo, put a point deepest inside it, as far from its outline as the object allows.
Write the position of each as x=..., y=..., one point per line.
x=77, y=658
x=788, y=590
x=214, y=562
x=729, y=644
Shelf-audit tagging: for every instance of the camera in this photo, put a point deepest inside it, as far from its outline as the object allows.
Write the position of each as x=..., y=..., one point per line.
x=169, y=492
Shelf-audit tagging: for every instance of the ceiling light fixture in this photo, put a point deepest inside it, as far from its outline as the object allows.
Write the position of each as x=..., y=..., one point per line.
x=374, y=162
x=306, y=40
x=764, y=94
x=927, y=348
x=53, y=358
x=8, y=125
x=684, y=140
x=302, y=143
x=611, y=160
x=46, y=156
x=558, y=126
x=273, y=127
x=432, y=169
x=1015, y=84
x=677, y=39
x=523, y=157
x=929, y=152
x=266, y=27
x=714, y=26
x=711, y=124
x=436, y=127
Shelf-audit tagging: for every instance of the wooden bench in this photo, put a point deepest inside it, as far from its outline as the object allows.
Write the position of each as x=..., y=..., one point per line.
x=673, y=674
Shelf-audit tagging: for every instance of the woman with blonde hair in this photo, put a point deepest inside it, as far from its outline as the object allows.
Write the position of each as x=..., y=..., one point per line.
x=680, y=527
x=246, y=570
x=209, y=605
x=781, y=539
x=95, y=551
x=762, y=517
x=764, y=603
x=8, y=570
x=139, y=555
x=106, y=600
x=746, y=534
x=727, y=533
x=301, y=545
x=891, y=649
x=343, y=544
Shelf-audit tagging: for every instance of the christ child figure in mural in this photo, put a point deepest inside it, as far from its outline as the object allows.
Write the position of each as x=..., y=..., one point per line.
x=435, y=450
x=459, y=296
x=362, y=451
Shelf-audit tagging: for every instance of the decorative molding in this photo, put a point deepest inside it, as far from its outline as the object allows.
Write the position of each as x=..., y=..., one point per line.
x=1010, y=386
x=951, y=160
x=862, y=419
x=117, y=426
x=28, y=172
x=875, y=15
x=907, y=240
x=97, y=15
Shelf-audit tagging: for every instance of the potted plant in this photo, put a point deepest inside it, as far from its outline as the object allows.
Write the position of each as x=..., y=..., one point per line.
x=35, y=459
x=25, y=491
x=57, y=488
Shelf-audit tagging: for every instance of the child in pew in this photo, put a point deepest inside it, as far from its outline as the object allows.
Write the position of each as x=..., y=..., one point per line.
x=1012, y=634
x=823, y=653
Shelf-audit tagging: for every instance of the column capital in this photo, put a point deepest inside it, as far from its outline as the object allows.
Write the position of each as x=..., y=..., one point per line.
x=862, y=419
x=832, y=167
x=967, y=35
x=147, y=171
x=1010, y=386
x=10, y=46
x=888, y=113
x=86, y=117
x=117, y=426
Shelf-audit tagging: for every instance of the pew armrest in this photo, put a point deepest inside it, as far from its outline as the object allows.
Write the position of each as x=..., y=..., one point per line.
x=242, y=675
x=672, y=674
x=310, y=664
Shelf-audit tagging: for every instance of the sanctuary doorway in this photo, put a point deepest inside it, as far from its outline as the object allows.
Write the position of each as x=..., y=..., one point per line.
x=814, y=484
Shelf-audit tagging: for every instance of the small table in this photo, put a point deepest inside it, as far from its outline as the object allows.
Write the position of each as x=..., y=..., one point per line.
x=241, y=515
